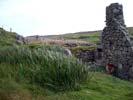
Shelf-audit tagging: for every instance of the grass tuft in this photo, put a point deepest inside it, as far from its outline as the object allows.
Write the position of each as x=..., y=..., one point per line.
x=48, y=69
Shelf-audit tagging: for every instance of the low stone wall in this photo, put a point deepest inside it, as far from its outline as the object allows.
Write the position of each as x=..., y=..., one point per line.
x=86, y=54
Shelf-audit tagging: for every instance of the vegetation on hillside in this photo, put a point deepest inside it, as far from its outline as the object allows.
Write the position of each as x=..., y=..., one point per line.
x=100, y=87
x=9, y=38
x=43, y=72
x=91, y=37
x=43, y=67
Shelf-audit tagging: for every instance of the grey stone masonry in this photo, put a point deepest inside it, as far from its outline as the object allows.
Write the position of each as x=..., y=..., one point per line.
x=116, y=44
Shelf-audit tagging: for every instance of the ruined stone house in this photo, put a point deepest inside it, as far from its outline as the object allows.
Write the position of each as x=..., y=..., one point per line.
x=116, y=46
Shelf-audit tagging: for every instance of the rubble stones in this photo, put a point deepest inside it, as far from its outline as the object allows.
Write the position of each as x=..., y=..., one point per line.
x=67, y=52
x=20, y=39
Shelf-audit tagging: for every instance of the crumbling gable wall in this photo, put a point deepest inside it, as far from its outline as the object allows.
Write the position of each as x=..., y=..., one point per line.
x=116, y=44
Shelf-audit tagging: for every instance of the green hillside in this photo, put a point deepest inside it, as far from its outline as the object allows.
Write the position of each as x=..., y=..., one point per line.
x=10, y=38
x=92, y=37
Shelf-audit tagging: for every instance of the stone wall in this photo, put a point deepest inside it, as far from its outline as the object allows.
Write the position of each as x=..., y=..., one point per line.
x=85, y=53
x=116, y=44
x=86, y=56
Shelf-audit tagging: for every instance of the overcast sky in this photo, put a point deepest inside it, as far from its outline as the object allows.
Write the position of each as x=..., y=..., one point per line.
x=48, y=17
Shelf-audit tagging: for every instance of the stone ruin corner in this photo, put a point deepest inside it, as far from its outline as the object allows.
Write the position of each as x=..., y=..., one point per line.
x=116, y=45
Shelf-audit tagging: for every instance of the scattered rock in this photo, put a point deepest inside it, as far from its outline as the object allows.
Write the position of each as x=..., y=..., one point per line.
x=67, y=52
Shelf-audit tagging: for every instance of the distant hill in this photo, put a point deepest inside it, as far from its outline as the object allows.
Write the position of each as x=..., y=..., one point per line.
x=10, y=38
x=130, y=30
x=88, y=36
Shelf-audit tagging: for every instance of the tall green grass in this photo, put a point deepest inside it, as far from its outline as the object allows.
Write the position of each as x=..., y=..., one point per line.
x=48, y=69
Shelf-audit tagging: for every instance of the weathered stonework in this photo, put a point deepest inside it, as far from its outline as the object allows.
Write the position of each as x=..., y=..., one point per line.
x=86, y=56
x=84, y=53
x=116, y=44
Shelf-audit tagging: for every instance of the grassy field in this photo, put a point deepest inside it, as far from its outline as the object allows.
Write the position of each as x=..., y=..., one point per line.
x=100, y=87
x=39, y=74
